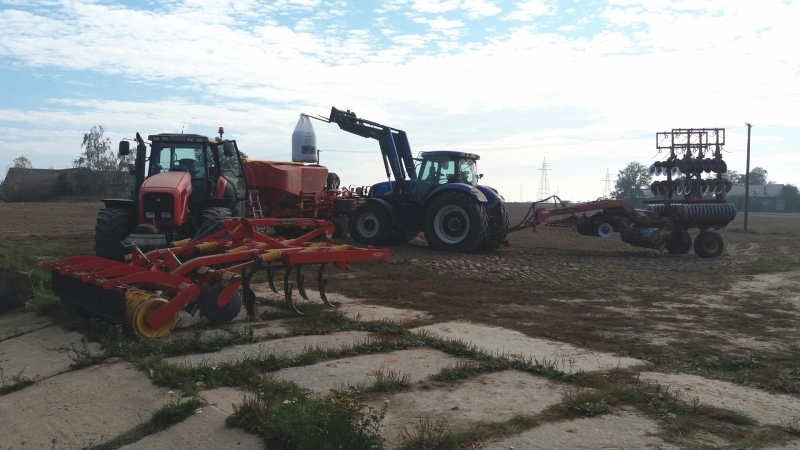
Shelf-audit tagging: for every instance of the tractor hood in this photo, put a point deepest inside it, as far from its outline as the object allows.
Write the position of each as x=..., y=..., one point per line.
x=168, y=180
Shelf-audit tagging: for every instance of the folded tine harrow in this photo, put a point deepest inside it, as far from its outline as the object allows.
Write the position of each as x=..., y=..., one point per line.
x=202, y=274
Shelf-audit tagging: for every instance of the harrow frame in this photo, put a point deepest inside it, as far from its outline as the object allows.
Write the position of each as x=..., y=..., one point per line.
x=229, y=256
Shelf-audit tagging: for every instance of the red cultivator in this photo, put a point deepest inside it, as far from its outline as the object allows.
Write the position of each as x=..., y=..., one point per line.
x=204, y=274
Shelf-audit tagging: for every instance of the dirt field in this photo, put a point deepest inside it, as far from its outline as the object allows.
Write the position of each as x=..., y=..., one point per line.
x=732, y=320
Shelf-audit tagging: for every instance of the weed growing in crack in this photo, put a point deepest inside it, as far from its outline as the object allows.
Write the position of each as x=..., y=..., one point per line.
x=428, y=434
x=82, y=357
x=792, y=426
x=291, y=419
x=584, y=403
x=176, y=410
x=14, y=382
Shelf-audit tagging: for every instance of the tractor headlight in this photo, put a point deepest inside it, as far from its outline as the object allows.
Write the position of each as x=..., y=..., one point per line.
x=150, y=215
x=166, y=215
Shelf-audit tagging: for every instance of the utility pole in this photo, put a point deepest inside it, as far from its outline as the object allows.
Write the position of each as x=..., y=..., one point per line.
x=544, y=186
x=747, y=177
x=607, y=186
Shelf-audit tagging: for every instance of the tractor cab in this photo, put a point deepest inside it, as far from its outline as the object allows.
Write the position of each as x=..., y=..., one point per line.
x=443, y=167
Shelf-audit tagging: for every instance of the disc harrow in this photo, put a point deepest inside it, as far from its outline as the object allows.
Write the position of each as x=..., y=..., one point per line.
x=205, y=273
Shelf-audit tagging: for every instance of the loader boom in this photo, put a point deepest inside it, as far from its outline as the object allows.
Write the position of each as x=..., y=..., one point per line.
x=394, y=144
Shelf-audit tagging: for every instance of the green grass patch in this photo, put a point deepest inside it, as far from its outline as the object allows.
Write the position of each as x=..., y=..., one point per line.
x=175, y=411
x=14, y=382
x=287, y=418
x=585, y=403
x=792, y=426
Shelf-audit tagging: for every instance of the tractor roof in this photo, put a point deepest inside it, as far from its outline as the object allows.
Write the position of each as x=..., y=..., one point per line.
x=177, y=137
x=450, y=153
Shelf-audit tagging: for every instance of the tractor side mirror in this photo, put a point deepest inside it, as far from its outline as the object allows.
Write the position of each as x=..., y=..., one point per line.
x=124, y=148
x=228, y=149
x=131, y=169
x=480, y=175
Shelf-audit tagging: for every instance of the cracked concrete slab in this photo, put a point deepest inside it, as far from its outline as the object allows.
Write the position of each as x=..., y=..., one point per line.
x=761, y=405
x=514, y=343
x=79, y=408
x=17, y=323
x=36, y=354
x=621, y=430
x=486, y=398
x=291, y=345
x=324, y=376
x=205, y=430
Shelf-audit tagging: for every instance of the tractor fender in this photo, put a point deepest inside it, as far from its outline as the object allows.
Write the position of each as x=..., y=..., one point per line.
x=492, y=196
x=472, y=191
x=388, y=207
x=119, y=203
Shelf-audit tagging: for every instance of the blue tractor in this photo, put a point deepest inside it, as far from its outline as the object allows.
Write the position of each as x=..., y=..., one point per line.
x=437, y=193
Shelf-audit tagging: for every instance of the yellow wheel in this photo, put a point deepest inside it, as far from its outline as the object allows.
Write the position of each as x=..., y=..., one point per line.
x=709, y=244
x=139, y=322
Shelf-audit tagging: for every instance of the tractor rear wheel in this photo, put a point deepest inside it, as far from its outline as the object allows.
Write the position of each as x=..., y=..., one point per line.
x=455, y=222
x=370, y=224
x=709, y=244
x=343, y=205
x=113, y=226
x=678, y=242
x=498, y=225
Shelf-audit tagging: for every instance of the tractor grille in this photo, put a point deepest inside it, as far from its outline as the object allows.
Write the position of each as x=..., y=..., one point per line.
x=161, y=205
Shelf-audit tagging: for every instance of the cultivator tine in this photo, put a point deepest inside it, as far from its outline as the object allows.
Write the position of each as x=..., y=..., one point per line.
x=271, y=279
x=322, y=281
x=287, y=291
x=300, y=283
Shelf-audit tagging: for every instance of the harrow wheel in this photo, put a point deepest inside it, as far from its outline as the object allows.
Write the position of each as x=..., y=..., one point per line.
x=709, y=244
x=678, y=242
x=139, y=319
x=215, y=314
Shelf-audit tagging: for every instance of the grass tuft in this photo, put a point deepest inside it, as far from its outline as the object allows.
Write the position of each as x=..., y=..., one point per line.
x=792, y=426
x=14, y=382
x=428, y=434
x=585, y=403
x=286, y=417
x=174, y=411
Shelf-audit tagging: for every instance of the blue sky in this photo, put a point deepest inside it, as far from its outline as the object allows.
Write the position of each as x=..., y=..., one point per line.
x=585, y=84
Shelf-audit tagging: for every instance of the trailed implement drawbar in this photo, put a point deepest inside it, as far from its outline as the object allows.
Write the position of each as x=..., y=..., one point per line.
x=205, y=273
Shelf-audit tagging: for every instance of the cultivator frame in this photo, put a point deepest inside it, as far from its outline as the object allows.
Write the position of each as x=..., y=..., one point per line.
x=149, y=289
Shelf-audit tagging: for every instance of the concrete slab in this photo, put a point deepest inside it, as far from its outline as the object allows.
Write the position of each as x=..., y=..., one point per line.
x=292, y=345
x=763, y=406
x=78, y=408
x=353, y=308
x=485, y=398
x=205, y=430
x=35, y=353
x=514, y=343
x=623, y=430
x=324, y=376
x=17, y=323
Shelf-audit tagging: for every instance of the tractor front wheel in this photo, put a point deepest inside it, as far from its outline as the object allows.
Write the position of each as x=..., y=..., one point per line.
x=113, y=226
x=370, y=224
x=455, y=222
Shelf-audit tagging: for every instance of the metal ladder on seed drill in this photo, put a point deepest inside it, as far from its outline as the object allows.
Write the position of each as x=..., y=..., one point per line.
x=255, y=204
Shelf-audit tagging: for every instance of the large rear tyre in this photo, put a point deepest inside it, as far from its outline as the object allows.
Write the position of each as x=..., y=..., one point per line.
x=709, y=244
x=370, y=224
x=455, y=222
x=210, y=220
x=678, y=242
x=498, y=225
x=215, y=314
x=113, y=226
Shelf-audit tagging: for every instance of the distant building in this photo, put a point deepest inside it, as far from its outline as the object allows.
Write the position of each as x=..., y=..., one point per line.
x=769, y=195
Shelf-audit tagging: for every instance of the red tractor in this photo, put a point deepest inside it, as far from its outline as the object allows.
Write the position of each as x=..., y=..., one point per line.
x=188, y=180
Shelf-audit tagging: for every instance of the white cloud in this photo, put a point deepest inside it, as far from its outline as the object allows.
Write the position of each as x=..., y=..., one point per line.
x=528, y=10
x=434, y=6
x=480, y=8
x=523, y=87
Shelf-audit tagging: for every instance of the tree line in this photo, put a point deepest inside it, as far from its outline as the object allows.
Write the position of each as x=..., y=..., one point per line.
x=97, y=172
x=634, y=181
